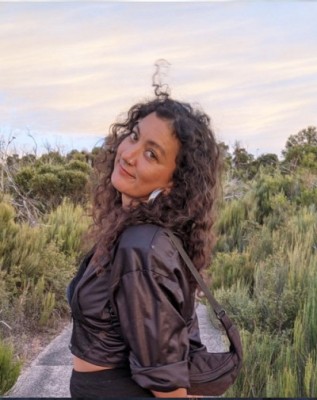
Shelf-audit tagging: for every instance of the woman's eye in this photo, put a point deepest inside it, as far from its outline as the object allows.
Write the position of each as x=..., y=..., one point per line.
x=151, y=154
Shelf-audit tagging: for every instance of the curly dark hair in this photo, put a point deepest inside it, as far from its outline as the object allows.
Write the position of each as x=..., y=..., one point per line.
x=188, y=209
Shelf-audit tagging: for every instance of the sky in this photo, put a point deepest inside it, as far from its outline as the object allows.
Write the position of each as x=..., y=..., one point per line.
x=69, y=69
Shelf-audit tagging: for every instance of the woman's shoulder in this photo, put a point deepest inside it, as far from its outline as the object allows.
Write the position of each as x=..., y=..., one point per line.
x=150, y=243
x=144, y=236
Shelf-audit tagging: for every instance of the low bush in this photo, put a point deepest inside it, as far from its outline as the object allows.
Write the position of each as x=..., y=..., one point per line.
x=37, y=263
x=9, y=367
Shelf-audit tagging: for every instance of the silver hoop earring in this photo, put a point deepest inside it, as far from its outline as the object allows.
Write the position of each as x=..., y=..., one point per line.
x=154, y=195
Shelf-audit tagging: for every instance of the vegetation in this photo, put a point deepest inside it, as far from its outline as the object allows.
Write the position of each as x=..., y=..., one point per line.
x=264, y=270
x=9, y=368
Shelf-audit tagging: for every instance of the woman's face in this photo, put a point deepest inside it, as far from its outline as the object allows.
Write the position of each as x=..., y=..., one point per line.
x=145, y=160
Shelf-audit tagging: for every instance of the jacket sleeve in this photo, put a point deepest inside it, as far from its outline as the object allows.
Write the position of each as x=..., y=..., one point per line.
x=149, y=299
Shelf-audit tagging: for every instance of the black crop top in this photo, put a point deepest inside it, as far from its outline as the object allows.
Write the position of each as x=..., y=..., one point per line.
x=138, y=310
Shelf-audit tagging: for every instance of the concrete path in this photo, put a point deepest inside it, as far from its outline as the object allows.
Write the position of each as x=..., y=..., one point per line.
x=49, y=374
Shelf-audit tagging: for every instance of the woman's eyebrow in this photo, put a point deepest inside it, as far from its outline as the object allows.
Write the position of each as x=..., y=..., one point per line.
x=151, y=142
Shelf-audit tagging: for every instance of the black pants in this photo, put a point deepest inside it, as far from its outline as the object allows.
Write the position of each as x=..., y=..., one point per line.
x=115, y=382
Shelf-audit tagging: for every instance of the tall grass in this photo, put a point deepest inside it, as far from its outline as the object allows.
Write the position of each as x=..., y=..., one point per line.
x=37, y=263
x=265, y=275
x=65, y=226
x=9, y=367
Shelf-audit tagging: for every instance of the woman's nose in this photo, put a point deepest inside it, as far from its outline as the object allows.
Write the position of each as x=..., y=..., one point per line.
x=129, y=155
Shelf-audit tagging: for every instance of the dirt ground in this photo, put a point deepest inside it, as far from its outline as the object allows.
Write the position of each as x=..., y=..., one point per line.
x=28, y=345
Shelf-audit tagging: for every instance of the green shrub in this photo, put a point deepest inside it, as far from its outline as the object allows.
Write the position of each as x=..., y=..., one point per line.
x=9, y=367
x=45, y=185
x=261, y=245
x=267, y=187
x=239, y=305
x=234, y=226
x=276, y=304
x=23, y=178
x=39, y=304
x=78, y=165
x=228, y=268
x=305, y=327
x=8, y=231
x=310, y=375
x=307, y=197
x=4, y=296
x=65, y=226
x=49, y=169
x=260, y=352
x=273, y=368
x=72, y=184
x=58, y=269
x=231, y=217
x=36, y=264
x=49, y=179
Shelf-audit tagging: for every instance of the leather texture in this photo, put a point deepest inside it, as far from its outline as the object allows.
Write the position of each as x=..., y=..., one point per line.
x=138, y=310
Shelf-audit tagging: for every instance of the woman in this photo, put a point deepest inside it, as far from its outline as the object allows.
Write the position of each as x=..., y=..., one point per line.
x=133, y=309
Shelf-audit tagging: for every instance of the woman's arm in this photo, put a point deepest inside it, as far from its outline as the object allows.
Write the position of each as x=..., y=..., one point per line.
x=149, y=294
x=181, y=392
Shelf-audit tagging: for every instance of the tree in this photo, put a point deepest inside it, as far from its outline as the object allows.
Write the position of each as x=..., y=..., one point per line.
x=304, y=137
x=301, y=149
x=225, y=154
x=241, y=158
x=243, y=163
x=268, y=159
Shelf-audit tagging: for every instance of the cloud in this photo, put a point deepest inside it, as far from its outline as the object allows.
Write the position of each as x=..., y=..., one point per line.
x=72, y=68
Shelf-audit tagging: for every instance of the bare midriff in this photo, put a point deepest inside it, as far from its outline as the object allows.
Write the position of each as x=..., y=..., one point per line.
x=80, y=365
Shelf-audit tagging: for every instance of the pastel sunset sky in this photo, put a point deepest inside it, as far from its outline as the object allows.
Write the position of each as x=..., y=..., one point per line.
x=68, y=69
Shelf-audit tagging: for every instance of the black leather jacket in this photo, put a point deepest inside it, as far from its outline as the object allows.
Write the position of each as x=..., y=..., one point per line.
x=138, y=310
